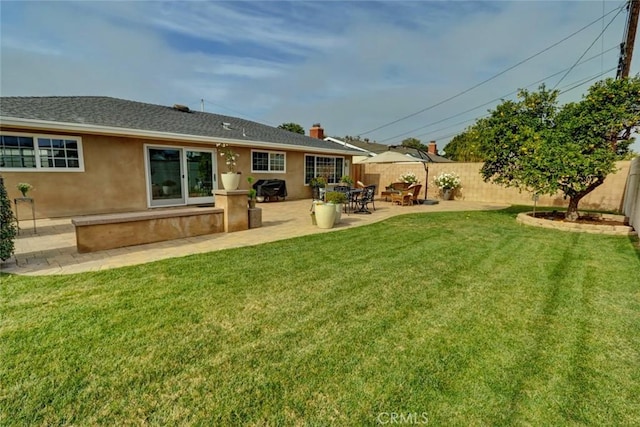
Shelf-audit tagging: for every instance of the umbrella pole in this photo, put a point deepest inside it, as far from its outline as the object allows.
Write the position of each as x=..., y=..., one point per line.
x=426, y=182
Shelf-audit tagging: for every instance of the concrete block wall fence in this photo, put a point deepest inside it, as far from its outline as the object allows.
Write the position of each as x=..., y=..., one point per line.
x=609, y=196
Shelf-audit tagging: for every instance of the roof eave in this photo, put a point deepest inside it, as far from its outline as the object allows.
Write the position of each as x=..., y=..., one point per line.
x=21, y=123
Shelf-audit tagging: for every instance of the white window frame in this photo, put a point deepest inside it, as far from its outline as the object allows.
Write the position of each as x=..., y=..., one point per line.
x=315, y=156
x=269, y=153
x=36, y=148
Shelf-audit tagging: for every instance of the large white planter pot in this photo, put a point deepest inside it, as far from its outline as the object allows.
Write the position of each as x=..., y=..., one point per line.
x=230, y=180
x=339, y=207
x=325, y=215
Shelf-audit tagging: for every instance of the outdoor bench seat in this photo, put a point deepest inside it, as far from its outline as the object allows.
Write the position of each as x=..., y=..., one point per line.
x=110, y=231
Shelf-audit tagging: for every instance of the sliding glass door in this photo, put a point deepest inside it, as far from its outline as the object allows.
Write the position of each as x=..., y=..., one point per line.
x=200, y=183
x=179, y=176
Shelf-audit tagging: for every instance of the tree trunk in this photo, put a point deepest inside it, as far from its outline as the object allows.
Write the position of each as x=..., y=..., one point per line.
x=572, y=210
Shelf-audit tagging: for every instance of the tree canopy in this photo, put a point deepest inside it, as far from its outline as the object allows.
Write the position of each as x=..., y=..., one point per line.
x=465, y=147
x=414, y=143
x=292, y=127
x=534, y=144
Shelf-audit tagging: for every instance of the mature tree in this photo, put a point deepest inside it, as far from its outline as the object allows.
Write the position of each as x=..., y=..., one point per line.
x=349, y=138
x=7, y=224
x=535, y=145
x=292, y=127
x=414, y=143
x=466, y=147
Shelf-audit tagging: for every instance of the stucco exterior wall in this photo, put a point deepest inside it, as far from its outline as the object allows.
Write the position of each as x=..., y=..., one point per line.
x=609, y=196
x=114, y=178
x=113, y=181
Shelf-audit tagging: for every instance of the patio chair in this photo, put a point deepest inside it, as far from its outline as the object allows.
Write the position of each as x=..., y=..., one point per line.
x=404, y=198
x=366, y=197
x=415, y=188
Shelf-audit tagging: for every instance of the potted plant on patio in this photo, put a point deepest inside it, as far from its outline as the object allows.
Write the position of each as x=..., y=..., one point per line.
x=316, y=184
x=252, y=193
x=408, y=178
x=347, y=180
x=325, y=214
x=337, y=199
x=24, y=188
x=448, y=183
x=230, y=179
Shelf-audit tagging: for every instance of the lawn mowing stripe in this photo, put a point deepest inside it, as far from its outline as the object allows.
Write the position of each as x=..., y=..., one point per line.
x=439, y=313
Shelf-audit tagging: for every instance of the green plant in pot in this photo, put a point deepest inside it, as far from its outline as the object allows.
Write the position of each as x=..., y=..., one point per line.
x=448, y=183
x=347, y=180
x=316, y=184
x=252, y=193
x=24, y=188
x=338, y=199
x=335, y=197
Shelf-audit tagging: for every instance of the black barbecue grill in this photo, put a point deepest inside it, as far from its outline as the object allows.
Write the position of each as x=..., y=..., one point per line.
x=271, y=189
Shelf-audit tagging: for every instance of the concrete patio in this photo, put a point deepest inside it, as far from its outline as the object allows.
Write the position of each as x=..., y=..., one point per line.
x=52, y=250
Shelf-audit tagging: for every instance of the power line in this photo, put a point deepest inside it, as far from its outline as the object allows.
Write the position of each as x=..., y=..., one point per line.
x=589, y=79
x=493, y=100
x=590, y=46
x=576, y=85
x=486, y=80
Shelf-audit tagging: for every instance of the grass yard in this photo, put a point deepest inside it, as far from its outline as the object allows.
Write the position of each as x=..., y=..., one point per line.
x=440, y=319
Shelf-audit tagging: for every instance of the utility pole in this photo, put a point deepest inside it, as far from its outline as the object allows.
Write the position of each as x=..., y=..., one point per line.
x=202, y=105
x=626, y=48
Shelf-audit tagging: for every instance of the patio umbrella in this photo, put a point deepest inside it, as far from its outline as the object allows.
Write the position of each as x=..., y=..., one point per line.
x=395, y=157
x=391, y=157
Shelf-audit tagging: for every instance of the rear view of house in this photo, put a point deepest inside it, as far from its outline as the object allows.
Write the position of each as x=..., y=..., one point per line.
x=88, y=155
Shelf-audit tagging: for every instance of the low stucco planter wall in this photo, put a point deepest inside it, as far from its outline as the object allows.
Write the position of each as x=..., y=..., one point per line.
x=619, y=230
x=100, y=232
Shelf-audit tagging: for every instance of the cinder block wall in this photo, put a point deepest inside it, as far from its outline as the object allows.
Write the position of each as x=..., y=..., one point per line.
x=609, y=196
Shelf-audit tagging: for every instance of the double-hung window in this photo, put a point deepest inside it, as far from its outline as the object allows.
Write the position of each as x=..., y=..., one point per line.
x=268, y=161
x=331, y=168
x=22, y=152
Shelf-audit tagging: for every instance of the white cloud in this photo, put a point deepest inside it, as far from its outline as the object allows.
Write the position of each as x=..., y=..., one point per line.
x=352, y=66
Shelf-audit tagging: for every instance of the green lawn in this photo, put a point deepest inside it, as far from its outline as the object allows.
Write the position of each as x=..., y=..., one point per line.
x=448, y=318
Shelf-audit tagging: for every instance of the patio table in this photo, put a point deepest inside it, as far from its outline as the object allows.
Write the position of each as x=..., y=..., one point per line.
x=353, y=195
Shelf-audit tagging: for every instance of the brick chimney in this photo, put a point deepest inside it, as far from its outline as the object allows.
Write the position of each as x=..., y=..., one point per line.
x=433, y=148
x=316, y=131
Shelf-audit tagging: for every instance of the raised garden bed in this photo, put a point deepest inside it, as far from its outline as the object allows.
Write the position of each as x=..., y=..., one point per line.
x=597, y=223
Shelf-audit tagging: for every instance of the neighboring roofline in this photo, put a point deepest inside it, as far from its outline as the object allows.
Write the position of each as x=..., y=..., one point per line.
x=346, y=144
x=18, y=122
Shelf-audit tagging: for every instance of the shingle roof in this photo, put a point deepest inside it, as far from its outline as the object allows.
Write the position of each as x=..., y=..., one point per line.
x=378, y=148
x=372, y=147
x=121, y=113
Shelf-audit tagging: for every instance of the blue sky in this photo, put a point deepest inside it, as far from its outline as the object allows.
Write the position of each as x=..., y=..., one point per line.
x=351, y=65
